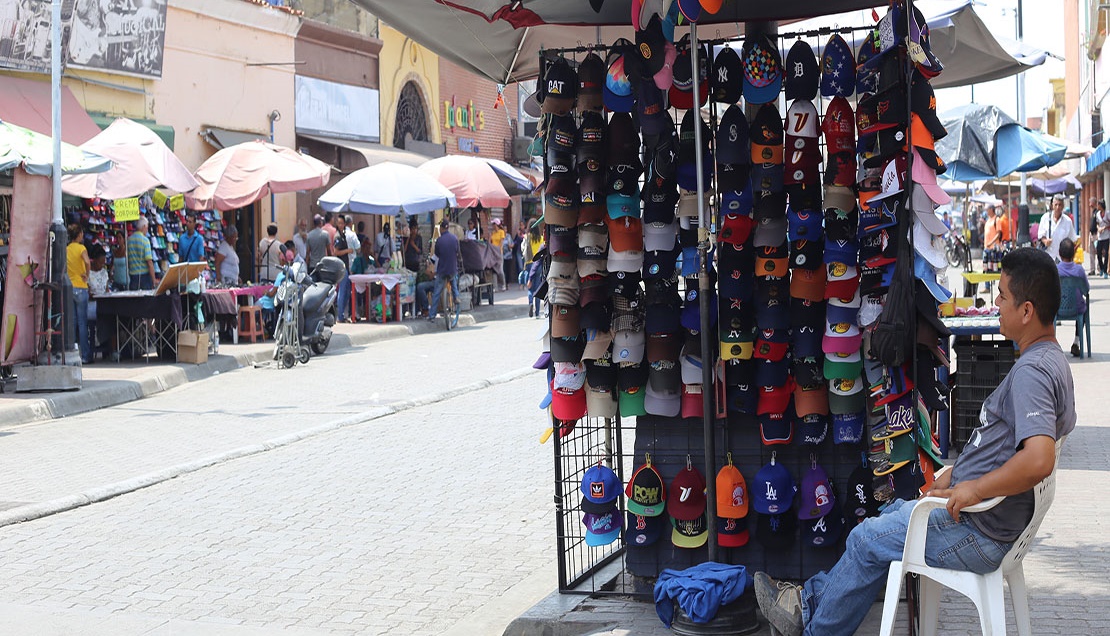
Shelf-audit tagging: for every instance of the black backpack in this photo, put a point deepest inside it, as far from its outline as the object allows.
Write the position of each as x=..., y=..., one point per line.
x=893, y=338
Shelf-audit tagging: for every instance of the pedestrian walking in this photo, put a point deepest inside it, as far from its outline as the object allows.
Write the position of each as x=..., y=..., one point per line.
x=497, y=239
x=317, y=243
x=1069, y=267
x=270, y=255
x=1102, y=245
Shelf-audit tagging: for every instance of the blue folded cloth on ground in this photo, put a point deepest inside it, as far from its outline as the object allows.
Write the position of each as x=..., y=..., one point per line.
x=700, y=590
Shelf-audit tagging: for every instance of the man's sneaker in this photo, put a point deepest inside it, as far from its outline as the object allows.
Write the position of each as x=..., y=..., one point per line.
x=1075, y=349
x=781, y=604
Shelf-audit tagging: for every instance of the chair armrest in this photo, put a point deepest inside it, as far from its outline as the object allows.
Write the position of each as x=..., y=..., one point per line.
x=918, y=525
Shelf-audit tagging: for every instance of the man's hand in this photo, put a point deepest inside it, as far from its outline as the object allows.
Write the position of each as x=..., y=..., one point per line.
x=963, y=495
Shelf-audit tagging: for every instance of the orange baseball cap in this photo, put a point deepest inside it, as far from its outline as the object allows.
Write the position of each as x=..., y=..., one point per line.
x=732, y=493
x=626, y=234
x=808, y=284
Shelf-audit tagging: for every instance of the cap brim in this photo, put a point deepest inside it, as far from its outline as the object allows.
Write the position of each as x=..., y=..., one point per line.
x=596, y=540
x=682, y=541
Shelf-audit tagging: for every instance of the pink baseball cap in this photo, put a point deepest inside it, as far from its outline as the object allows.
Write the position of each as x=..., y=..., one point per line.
x=926, y=177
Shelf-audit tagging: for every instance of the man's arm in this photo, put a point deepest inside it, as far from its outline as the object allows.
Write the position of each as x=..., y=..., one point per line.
x=1031, y=464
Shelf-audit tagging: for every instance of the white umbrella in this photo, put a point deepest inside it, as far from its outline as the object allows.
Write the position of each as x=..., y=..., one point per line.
x=387, y=188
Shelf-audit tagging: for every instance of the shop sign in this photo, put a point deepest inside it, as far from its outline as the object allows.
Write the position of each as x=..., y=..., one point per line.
x=465, y=117
x=177, y=202
x=466, y=144
x=336, y=110
x=126, y=210
x=159, y=199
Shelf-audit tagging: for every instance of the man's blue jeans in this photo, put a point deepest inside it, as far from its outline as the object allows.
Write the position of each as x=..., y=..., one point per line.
x=344, y=298
x=834, y=603
x=81, y=307
x=438, y=291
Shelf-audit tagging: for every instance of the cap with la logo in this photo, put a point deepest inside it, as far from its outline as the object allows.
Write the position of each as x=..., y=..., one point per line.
x=773, y=489
x=686, y=495
x=646, y=492
x=600, y=488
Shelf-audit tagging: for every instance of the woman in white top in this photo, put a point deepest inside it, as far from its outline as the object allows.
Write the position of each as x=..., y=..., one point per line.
x=227, y=260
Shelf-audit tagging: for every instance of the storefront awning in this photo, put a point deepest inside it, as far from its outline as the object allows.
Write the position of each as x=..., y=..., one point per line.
x=165, y=133
x=26, y=103
x=220, y=138
x=374, y=153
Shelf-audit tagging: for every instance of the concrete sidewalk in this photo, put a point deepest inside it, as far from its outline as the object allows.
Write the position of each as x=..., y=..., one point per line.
x=110, y=384
x=1065, y=571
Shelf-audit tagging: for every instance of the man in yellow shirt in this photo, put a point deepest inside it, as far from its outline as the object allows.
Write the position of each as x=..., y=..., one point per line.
x=496, y=238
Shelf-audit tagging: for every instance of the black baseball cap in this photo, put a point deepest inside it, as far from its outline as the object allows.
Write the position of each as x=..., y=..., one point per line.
x=591, y=81
x=623, y=142
x=558, y=88
x=728, y=76
x=800, y=72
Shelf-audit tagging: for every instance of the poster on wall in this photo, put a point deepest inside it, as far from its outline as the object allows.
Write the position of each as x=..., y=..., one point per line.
x=25, y=34
x=118, y=36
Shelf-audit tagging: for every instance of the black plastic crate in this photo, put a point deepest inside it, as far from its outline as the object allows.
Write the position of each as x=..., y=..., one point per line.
x=981, y=365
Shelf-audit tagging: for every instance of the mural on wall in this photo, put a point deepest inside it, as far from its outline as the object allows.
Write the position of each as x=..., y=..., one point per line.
x=119, y=36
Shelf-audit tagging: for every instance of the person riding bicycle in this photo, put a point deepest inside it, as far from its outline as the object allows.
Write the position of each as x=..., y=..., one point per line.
x=447, y=267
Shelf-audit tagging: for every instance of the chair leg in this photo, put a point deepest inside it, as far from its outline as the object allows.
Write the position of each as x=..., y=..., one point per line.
x=890, y=601
x=1019, y=596
x=991, y=605
x=929, y=601
x=1087, y=329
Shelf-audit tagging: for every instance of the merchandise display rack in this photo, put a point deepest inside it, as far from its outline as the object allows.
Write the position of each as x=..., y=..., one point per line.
x=673, y=443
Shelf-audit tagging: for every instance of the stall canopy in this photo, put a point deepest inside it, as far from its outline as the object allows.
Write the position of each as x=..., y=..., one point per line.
x=501, y=39
x=470, y=179
x=140, y=161
x=387, y=188
x=985, y=143
x=26, y=103
x=514, y=181
x=21, y=147
x=244, y=173
x=373, y=153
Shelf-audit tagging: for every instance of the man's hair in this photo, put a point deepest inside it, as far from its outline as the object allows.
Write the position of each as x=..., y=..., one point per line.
x=1101, y=204
x=444, y=224
x=328, y=216
x=1034, y=278
x=318, y=221
x=1067, y=250
x=142, y=223
x=271, y=230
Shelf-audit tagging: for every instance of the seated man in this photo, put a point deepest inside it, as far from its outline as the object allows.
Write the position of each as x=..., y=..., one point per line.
x=1012, y=450
x=1068, y=268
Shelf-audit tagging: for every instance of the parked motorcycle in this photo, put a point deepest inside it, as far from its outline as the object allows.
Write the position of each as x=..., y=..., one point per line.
x=306, y=305
x=956, y=250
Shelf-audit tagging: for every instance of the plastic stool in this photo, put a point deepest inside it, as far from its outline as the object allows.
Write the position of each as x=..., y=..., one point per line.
x=250, y=323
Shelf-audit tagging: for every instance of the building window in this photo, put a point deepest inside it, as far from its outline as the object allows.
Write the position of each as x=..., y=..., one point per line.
x=411, y=116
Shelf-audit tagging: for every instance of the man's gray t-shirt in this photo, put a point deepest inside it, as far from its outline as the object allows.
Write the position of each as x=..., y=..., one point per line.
x=1036, y=398
x=317, y=243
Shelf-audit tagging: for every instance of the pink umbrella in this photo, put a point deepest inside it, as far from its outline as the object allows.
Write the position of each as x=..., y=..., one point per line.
x=244, y=173
x=140, y=161
x=471, y=179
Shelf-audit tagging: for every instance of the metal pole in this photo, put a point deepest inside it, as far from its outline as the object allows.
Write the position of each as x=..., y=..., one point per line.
x=63, y=341
x=56, y=105
x=709, y=411
x=1024, y=196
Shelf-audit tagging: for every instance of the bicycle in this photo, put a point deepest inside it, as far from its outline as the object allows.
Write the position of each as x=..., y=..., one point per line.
x=450, y=306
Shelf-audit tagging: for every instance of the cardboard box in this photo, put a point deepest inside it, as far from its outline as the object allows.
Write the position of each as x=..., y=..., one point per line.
x=192, y=347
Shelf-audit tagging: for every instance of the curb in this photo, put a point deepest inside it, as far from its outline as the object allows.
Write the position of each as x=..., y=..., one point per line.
x=109, y=393
x=38, y=510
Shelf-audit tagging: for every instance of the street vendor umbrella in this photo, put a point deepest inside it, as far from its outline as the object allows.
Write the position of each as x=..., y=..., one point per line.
x=140, y=161
x=387, y=188
x=244, y=173
x=20, y=147
x=514, y=181
x=471, y=179
x=968, y=149
x=1018, y=149
x=501, y=39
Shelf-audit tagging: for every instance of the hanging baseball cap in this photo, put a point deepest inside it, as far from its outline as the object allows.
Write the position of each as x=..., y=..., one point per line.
x=651, y=46
x=767, y=135
x=560, y=87
x=600, y=488
x=866, y=77
x=838, y=68
x=728, y=75
x=681, y=94
x=591, y=82
x=690, y=533
x=641, y=531
x=762, y=70
x=732, y=493
x=923, y=143
x=825, y=531
x=926, y=178
x=732, y=137
x=846, y=395
x=817, y=495
x=847, y=427
x=839, y=126
x=732, y=533
x=773, y=489
x=602, y=528
x=651, y=109
x=646, y=492
x=686, y=494
x=801, y=72
x=617, y=91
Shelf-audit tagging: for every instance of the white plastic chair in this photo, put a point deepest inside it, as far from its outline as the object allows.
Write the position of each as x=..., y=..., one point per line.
x=985, y=590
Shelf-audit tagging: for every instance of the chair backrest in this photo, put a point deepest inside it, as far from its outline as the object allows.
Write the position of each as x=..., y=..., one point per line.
x=1070, y=293
x=1043, y=494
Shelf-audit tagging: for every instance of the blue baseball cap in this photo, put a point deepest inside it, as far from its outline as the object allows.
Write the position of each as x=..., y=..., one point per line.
x=622, y=205
x=732, y=137
x=762, y=70
x=838, y=68
x=768, y=177
x=772, y=372
x=807, y=341
x=773, y=489
x=689, y=261
x=652, y=109
x=602, y=528
x=641, y=531
x=742, y=398
x=737, y=202
x=600, y=488
x=841, y=251
x=838, y=314
x=736, y=283
x=847, y=427
x=804, y=224
x=926, y=274
x=691, y=310
x=824, y=532
x=617, y=92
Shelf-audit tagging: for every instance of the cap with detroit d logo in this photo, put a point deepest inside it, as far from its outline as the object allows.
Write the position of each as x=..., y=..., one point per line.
x=686, y=496
x=645, y=491
x=801, y=72
x=600, y=488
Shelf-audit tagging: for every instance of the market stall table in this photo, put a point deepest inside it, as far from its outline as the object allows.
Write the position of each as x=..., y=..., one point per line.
x=974, y=278
x=143, y=320
x=390, y=282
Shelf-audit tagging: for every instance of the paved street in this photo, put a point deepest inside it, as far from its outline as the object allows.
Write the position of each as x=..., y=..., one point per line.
x=408, y=517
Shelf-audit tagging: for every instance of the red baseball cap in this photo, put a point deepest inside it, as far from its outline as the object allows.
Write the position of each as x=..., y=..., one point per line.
x=839, y=126
x=775, y=399
x=686, y=495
